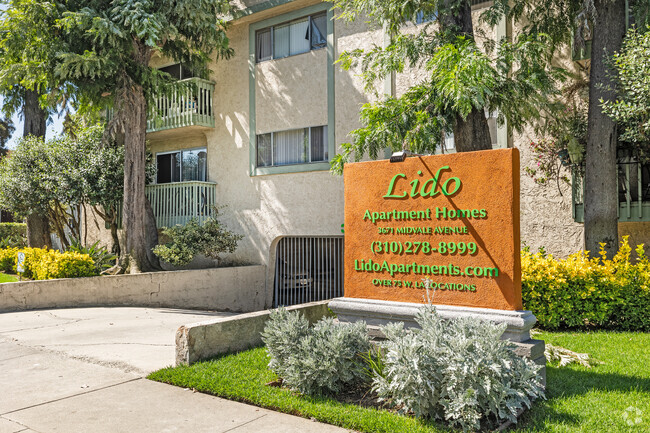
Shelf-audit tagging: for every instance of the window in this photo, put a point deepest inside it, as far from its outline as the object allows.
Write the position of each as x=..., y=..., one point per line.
x=181, y=166
x=421, y=18
x=288, y=39
x=179, y=71
x=296, y=146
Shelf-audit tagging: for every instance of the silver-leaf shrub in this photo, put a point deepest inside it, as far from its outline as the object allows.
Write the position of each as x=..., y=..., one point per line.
x=459, y=371
x=323, y=359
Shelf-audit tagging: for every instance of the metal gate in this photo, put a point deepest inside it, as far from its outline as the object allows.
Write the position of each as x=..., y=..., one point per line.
x=308, y=269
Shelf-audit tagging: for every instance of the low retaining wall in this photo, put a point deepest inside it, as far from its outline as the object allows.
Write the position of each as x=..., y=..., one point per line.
x=237, y=289
x=204, y=340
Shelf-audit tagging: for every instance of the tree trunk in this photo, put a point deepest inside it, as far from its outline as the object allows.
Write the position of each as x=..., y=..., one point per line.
x=601, y=179
x=134, y=210
x=38, y=232
x=35, y=118
x=472, y=133
x=132, y=109
x=151, y=235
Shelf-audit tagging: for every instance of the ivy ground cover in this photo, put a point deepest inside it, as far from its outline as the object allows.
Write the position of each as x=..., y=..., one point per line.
x=612, y=396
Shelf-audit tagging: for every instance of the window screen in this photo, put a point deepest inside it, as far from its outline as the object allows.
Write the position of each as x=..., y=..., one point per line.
x=319, y=144
x=264, y=150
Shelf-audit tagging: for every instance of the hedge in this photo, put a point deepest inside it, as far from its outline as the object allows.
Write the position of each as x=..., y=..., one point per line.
x=13, y=234
x=579, y=292
x=45, y=264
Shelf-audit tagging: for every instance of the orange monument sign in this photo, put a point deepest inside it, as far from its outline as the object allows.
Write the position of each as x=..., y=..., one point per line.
x=449, y=222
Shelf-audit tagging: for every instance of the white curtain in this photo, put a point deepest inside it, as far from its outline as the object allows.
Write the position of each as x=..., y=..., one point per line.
x=290, y=147
x=264, y=45
x=281, y=41
x=299, y=37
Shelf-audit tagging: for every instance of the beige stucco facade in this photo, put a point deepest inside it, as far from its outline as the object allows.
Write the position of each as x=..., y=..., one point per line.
x=296, y=92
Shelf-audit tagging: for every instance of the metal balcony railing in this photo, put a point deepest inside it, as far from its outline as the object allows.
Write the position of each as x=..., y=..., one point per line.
x=188, y=104
x=177, y=203
x=633, y=192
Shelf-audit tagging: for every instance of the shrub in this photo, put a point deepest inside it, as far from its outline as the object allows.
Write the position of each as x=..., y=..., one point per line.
x=54, y=264
x=13, y=235
x=458, y=370
x=210, y=239
x=8, y=259
x=320, y=360
x=44, y=264
x=33, y=257
x=102, y=258
x=579, y=292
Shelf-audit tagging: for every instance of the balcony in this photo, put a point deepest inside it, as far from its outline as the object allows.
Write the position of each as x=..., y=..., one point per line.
x=177, y=203
x=188, y=104
x=633, y=192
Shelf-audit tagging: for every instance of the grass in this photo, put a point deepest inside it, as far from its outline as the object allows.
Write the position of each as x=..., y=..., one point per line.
x=7, y=278
x=578, y=399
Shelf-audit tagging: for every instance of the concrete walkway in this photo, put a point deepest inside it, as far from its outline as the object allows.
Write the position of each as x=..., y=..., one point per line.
x=82, y=370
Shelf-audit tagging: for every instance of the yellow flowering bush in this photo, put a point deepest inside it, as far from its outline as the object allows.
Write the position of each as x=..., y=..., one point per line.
x=8, y=259
x=45, y=264
x=579, y=292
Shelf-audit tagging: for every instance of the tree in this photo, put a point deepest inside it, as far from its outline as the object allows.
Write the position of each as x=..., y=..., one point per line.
x=63, y=177
x=23, y=191
x=465, y=78
x=6, y=131
x=601, y=173
x=631, y=110
x=110, y=46
x=602, y=21
x=28, y=45
x=516, y=74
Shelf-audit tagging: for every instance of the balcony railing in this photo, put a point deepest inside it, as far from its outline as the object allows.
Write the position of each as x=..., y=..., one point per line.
x=177, y=203
x=633, y=192
x=188, y=104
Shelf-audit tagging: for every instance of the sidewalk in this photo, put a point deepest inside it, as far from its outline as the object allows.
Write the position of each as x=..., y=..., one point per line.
x=82, y=371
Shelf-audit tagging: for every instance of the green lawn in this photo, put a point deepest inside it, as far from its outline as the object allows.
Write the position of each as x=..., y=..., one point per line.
x=578, y=399
x=6, y=278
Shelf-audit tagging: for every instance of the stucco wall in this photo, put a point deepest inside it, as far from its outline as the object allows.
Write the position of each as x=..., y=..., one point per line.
x=291, y=92
x=239, y=289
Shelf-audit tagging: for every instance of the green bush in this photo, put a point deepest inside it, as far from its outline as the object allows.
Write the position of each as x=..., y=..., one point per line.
x=210, y=239
x=579, y=292
x=459, y=371
x=13, y=235
x=44, y=264
x=323, y=359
